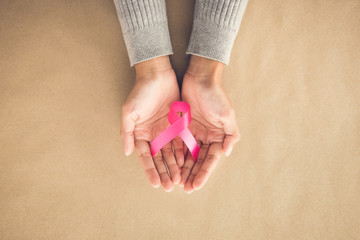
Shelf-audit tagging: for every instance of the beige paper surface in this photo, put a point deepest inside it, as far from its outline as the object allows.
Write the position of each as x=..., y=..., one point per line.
x=294, y=81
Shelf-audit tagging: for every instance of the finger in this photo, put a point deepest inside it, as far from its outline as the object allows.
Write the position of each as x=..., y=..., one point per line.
x=201, y=157
x=166, y=182
x=186, y=170
x=179, y=149
x=143, y=151
x=127, y=130
x=168, y=154
x=179, y=152
x=211, y=160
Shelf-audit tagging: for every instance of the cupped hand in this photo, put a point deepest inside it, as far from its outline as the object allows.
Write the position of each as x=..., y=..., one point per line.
x=213, y=120
x=144, y=117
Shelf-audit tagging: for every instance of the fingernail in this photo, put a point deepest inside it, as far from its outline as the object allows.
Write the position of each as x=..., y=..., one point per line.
x=177, y=180
x=169, y=190
x=228, y=152
x=196, y=186
x=127, y=152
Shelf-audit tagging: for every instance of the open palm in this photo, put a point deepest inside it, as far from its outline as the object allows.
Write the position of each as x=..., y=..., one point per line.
x=213, y=126
x=144, y=117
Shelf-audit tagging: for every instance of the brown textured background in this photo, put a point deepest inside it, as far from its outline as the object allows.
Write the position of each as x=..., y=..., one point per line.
x=293, y=78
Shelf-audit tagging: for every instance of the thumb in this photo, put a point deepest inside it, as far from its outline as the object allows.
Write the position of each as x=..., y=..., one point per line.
x=232, y=134
x=127, y=131
x=229, y=143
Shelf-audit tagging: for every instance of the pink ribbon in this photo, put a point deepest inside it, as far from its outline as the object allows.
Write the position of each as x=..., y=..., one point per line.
x=179, y=128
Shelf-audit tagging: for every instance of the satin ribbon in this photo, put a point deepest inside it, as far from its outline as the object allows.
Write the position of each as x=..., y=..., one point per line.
x=178, y=127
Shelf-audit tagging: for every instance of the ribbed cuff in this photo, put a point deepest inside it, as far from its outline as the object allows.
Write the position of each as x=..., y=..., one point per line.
x=216, y=24
x=147, y=43
x=210, y=41
x=145, y=29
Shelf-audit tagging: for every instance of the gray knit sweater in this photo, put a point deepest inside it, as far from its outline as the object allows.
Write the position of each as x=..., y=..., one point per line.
x=146, y=33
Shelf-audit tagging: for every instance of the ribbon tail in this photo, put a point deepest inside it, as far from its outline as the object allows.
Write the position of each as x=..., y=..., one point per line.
x=190, y=142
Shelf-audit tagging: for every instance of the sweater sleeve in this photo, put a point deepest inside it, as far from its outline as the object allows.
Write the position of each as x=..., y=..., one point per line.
x=145, y=29
x=215, y=26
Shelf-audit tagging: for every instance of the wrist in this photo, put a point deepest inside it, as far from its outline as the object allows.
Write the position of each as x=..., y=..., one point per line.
x=205, y=70
x=152, y=67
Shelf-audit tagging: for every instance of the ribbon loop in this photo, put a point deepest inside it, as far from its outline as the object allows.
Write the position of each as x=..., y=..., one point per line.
x=178, y=127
